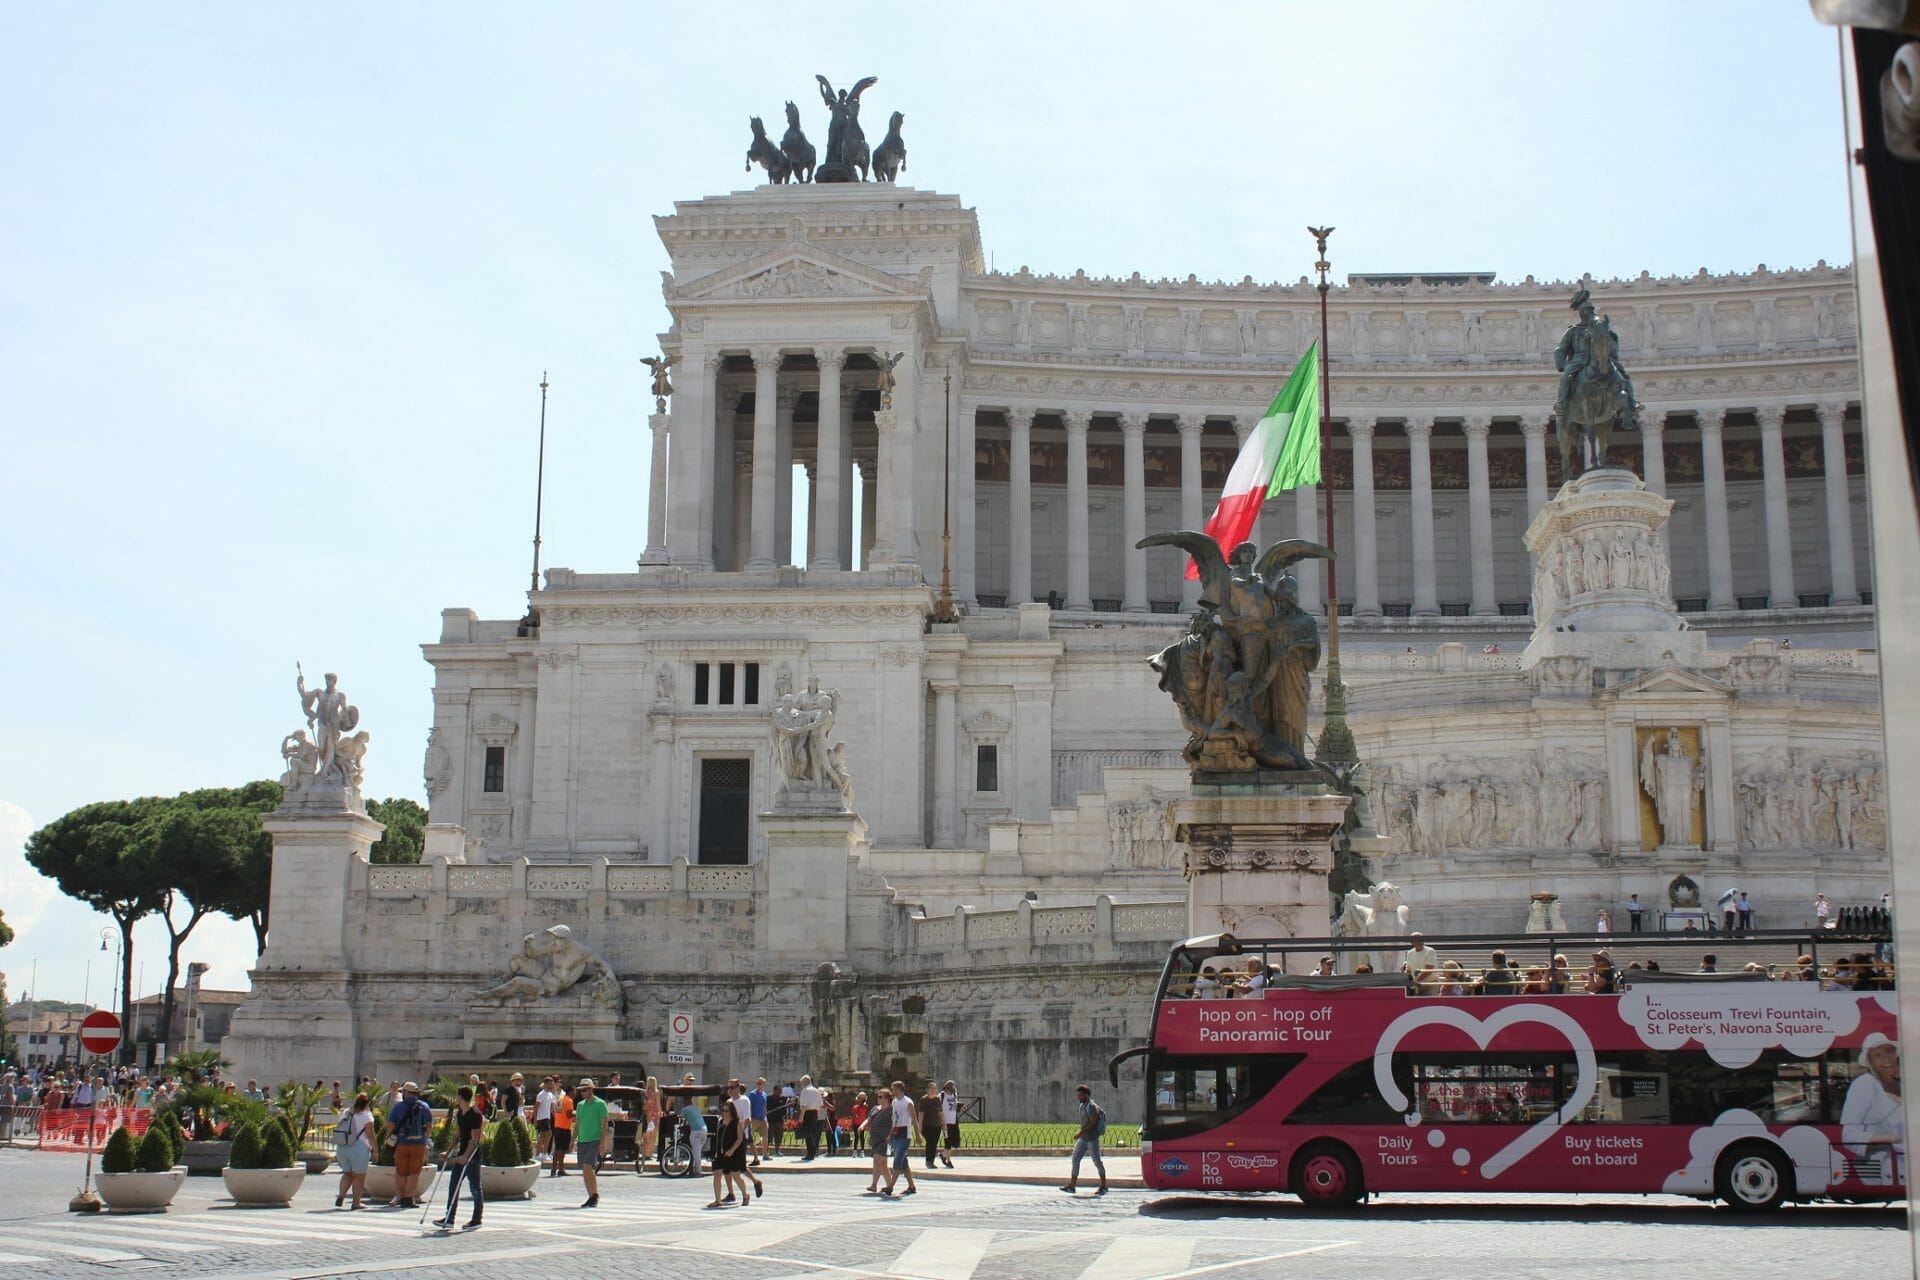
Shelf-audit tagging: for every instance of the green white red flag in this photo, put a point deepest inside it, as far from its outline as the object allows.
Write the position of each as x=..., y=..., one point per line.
x=1282, y=452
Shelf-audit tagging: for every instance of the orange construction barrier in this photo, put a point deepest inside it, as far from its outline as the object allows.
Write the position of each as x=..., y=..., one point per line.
x=65, y=1128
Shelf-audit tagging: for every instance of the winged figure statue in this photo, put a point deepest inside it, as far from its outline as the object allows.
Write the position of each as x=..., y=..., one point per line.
x=662, y=385
x=1240, y=676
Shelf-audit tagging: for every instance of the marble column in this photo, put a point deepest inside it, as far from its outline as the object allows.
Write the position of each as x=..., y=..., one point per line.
x=1242, y=428
x=656, y=551
x=868, y=507
x=1533, y=428
x=1019, y=507
x=903, y=472
x=849, y=549
x=945, y=808
x=883, y=480
x=965, y=532
x=1845, y=587
x=1192, y=426
x=733, y=539
x=1306, y=524
x=1773, y=462
x=690, y=531
x=1426, y=600
x=829, y=472
x=1366, y=538
x=1653, y=459
x=727, y=503
x=1480, y=516
x=783, y=475
x=762, y=538
x=1079, y=589
x=1133, y=434
x=1713, y=496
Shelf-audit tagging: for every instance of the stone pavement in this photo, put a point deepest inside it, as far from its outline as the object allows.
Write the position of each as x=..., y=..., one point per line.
x=956, y=1228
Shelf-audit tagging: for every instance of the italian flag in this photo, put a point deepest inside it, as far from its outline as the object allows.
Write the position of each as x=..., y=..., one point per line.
x=1282, y=452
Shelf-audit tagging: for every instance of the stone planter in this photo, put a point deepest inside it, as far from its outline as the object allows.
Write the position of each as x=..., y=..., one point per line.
x=205, y=1159
x=263, y=1186
x=316, y=1162
x=380, y=1181
x=508, y=1182
x=140, y=1192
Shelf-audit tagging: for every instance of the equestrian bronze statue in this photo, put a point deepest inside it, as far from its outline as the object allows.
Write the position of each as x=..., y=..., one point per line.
x=1596, y=392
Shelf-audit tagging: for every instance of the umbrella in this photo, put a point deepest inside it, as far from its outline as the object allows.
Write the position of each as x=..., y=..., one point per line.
x=1729, y=896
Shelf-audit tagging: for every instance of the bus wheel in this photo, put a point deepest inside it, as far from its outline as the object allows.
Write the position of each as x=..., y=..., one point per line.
x=1326, y=1176
x=1752, y=1178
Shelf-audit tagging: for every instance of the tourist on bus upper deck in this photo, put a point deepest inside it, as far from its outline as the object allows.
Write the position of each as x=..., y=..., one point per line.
x=1534, y=981
x=1454, y=977
x=1419, y=954
x=1559, y=977
x=1204, y=985
x=1499, y=980
x=1802, y=971
x=1256, y=974
x=1427, y=982
x=1326, y=968
x=1707, y=963
x=1602, y=977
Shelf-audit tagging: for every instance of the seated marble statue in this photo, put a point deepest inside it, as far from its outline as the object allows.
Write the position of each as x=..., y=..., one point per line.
x=550, y=964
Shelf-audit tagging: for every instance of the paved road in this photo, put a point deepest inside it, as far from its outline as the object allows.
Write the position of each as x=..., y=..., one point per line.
x=820, y=1225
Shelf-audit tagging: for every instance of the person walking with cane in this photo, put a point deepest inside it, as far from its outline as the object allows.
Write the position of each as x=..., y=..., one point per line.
x=468, y=1125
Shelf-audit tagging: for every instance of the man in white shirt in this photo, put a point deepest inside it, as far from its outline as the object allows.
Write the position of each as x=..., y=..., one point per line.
x=950, y=1121
x=543, y=1120
x=811, y=1104
x=900, y=1141
x=1420, y=956
x=1256, y=974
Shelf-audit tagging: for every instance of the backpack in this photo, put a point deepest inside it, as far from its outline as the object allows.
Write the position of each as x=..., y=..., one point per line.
x=414, y=1124
x=343, y=1129
x=1099, y=1120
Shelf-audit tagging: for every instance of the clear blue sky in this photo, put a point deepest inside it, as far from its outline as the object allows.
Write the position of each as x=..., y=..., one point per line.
x=277, y=284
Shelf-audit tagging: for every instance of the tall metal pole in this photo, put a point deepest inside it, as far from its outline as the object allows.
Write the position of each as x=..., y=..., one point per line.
x=532, y=620
x=1336, y=745
x=943, y=610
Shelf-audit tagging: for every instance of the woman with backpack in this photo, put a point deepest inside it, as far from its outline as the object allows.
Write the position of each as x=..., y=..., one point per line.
x=353, y=1148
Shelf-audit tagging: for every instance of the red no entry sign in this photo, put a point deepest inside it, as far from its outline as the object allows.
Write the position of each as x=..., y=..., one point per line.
x=100, y=1032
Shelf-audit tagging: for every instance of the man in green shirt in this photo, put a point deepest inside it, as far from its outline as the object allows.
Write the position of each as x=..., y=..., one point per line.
x=589, y=1134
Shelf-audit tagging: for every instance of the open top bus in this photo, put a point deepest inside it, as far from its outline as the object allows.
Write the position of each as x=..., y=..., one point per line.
x=1773, y=1075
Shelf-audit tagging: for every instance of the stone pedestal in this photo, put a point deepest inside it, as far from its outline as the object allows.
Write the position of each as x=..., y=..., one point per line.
x=808, y=858
x=299, y=1020
x=1602, y=585
x=1256, y=850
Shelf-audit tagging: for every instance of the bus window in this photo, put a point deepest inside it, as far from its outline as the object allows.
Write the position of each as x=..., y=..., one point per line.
x=1194, y=1094
x=1466, y=1089
x=1624, y=1095
x=1350, y=1097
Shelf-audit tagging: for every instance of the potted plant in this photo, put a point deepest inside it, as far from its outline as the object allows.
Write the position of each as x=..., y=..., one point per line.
x=138, y=1176
x=509, y=1172
x=261, y=1170
x=298, y=1102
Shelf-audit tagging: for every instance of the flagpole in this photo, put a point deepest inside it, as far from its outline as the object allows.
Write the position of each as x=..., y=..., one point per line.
x=1336, y=745
x=532, y=620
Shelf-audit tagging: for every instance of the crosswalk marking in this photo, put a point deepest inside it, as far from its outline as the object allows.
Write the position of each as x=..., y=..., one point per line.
x=143, y=1239
x=745, y=1237
x=1137, y=1257
x=35, y=1240
x=943, y=1253
x=20, y=1257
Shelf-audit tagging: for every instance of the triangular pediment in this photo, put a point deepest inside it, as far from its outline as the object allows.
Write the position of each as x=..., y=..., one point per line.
x=1668, y=681
x=790, y=272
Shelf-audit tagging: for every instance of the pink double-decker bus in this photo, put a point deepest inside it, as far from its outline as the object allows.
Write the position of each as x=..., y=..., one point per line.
x=1756, y=1069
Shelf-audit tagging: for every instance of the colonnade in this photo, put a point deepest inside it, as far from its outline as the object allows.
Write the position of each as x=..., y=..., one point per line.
x=1362, y=585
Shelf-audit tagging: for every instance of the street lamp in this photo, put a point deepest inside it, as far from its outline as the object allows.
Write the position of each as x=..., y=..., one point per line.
x=110, y=935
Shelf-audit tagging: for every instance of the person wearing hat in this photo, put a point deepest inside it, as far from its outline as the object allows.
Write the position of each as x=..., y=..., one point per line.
x=410, y=1122
x=589, y=1131
x=1873, y=1126
x=510, y=1097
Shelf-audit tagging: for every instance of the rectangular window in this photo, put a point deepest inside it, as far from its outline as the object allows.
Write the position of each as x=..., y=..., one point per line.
x=725, y=785
x=494, y=775
x=702, y=683
x=726, y=684
x=750, y=679
x=986, y=767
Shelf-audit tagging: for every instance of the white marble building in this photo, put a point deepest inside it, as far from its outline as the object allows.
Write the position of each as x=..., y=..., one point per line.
x=1015, y=880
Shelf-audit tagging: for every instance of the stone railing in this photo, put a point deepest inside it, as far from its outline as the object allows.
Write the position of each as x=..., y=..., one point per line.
x=520, y=878
x=1106, y=929
x=1454, y=658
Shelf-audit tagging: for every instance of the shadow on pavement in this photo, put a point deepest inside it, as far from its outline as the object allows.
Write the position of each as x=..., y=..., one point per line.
x=1206, y=1208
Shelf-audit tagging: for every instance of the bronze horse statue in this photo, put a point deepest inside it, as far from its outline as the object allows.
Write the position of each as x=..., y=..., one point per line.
x=1597, y=402
x=766, y=154
x=890, y=157
x=795, y=147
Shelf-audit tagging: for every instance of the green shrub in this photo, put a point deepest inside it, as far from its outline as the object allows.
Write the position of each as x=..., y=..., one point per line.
x=176, y=1136
x=117, y=1155
x=503, y=1148
x=382, y=1140
x=246, y=1147
x=522, y=1139
x=277, y=1147
x=156, y=1151
x=286, y=1124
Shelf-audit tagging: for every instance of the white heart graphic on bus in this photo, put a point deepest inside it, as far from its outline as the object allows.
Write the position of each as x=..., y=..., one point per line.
x=1483, y=1030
